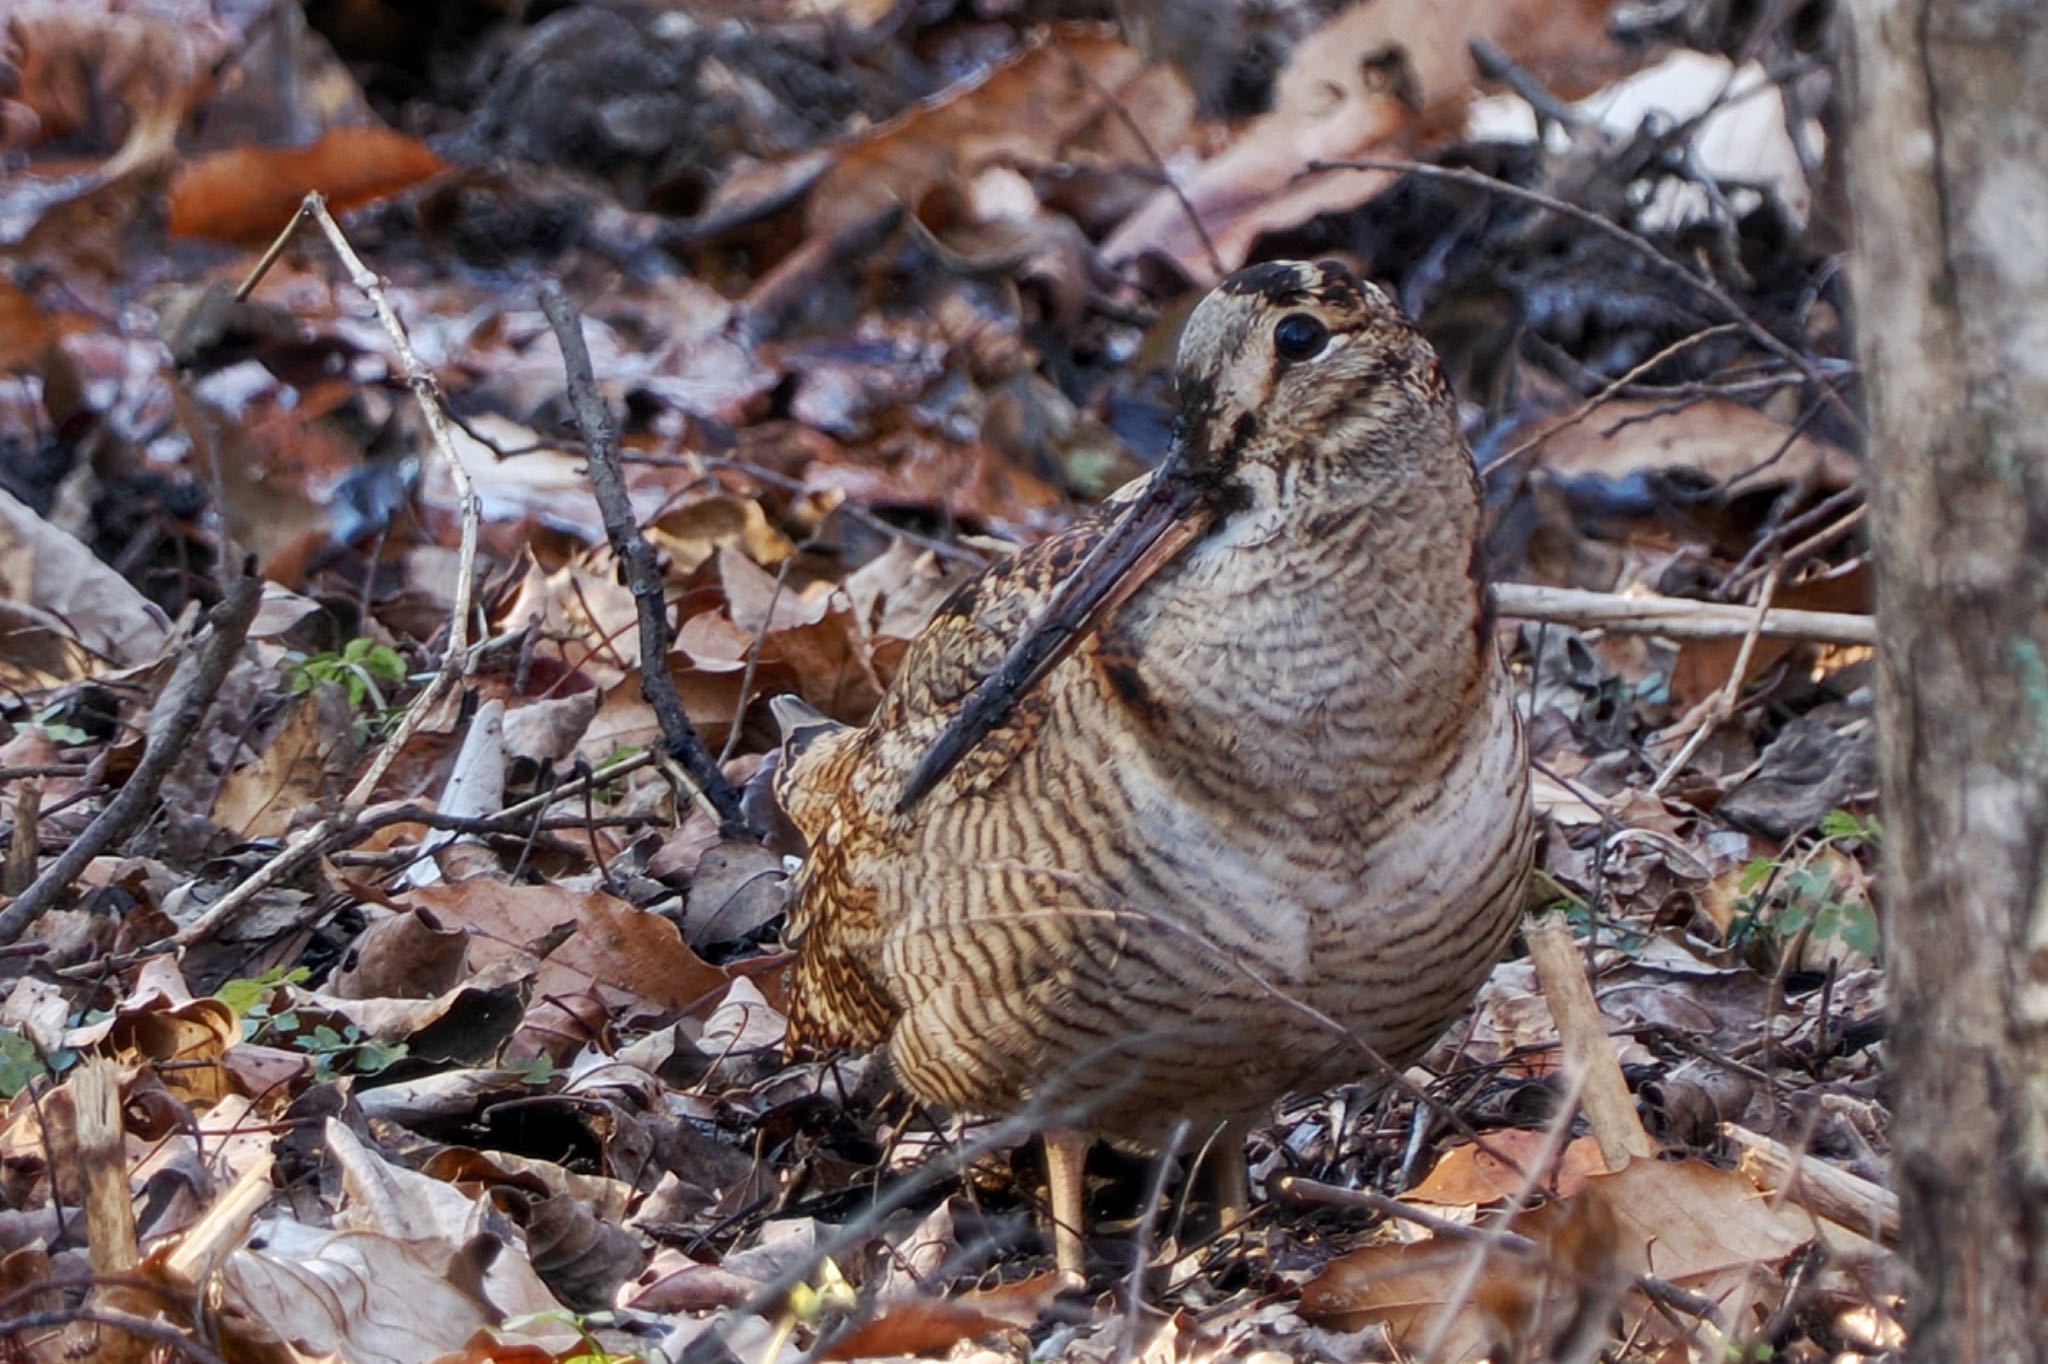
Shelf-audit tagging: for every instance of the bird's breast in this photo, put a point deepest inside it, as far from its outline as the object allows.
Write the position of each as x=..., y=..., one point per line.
x=1307, y=670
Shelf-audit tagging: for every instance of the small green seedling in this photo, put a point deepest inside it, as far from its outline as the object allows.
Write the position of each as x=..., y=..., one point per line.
x=1797, y=891
x=362, y=669
x=334, y=1050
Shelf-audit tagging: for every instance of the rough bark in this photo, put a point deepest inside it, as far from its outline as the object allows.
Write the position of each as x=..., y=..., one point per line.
x=1949, y=184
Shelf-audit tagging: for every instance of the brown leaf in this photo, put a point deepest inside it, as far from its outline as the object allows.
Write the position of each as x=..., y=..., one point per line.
x=68, y=614
x=1468, y=1175
x=631, y=959
x=409, y=956
x=691, y=533
x=968, y=482
x=1689, y=1223
x=1021, y=113
x=930, y=1326
x=261, y=799
x=88, y=64
x=737, y=887
x=250, y=193
x=1352, y=88
x=1719, y=439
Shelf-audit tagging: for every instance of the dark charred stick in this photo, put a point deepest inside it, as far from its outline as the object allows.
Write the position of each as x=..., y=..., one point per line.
x=175, y=719
x=608, y=483
x=1494, y=64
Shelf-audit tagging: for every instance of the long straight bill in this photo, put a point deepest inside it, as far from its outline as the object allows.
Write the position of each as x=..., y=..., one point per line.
x=1165, y=519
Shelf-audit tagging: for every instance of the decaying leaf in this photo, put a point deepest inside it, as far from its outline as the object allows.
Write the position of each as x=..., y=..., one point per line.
x=628, y=958
x=1703, y=1229
x=250, y=193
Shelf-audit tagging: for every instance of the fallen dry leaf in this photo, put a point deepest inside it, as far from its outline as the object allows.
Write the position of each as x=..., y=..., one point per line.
x=931, y=1326
x=248, y=194
x=72, y=615
x=1353, y=87
x=1721, y=440
x=1473, y=1176
x=1687, y=1222
x=261, y=799
x=633, y=960
x=1021, y=113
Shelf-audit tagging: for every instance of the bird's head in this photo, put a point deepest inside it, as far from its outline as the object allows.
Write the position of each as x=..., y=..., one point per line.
x=1294, y=378
x=1300, y=371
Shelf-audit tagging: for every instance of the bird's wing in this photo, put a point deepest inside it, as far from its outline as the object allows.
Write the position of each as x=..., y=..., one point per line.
x=840, y=790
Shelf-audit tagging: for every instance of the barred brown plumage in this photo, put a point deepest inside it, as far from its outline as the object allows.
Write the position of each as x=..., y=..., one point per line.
x=1242, y=799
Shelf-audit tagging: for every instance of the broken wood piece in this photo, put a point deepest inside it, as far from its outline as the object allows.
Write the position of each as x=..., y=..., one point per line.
x=1678, y=617
x=1822, y=1189
x=1588, y=1052
x=103, y=1162
x=208, y=1241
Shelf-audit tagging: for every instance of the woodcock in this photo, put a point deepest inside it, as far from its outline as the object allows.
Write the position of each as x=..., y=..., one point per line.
x=1219, y=794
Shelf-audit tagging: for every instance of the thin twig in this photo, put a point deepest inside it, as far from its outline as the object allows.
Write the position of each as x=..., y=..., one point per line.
x=1739, y=577
x=1587, y=408
x=1723, y=703
x=1468, y=1278
x=1813, y=544
x=1141, y=1240
x=1187, y=206
x=455, y=658
x=754, y=647
x=608, y=483
x=1705, y=285
x=164, y=1334
x=185, y=700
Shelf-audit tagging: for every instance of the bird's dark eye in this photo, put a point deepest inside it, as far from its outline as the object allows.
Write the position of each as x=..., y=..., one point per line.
x=1300, y=336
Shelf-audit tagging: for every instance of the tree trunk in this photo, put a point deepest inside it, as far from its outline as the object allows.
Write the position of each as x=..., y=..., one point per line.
x=1948, y=178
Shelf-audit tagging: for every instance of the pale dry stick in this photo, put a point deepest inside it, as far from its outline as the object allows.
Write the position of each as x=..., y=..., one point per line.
x=109, y=1212
x=1822, y=1189
x=1722, y=704
x=426, y=392
x=1592, y=404
x=1467, y=1281
x=109, y=1209
x=1677, y=617
x=1589, y=1053
x=1705, y=284
x=24, y=843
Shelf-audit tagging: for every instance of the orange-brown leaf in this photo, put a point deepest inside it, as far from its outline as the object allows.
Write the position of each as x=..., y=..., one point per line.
x=249, y=193
x=1469, y=1176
